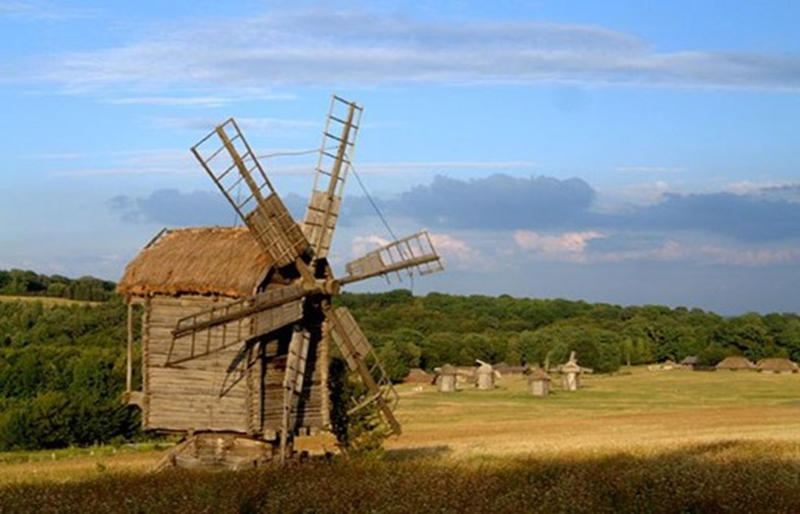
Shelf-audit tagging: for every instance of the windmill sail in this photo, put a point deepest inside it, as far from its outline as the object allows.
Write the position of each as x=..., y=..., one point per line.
x=333, y=166
x=228, y=159
x=410, y=254
x=296, y=364
x=361, y=357
x=217, y=328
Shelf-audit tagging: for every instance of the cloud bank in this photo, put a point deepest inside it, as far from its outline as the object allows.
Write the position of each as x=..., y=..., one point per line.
x=298, y=48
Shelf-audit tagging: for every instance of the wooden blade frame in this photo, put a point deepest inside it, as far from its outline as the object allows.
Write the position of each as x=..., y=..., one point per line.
x=341, y=130
x=229, y=161
x=412, y=253
x=293, y=380
x=217, y=328
x=357, y=352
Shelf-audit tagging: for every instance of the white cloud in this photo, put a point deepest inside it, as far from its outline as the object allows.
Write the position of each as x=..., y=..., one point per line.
x=364, y=244
x=185, y=101
x=756, y=187
x=299, y=48
x=569, y=246
x=649, y=169
x=38, y=10
x=460, y=255
x=673, y=251
x=133, y=162
x=270, y=125
x=191, y=100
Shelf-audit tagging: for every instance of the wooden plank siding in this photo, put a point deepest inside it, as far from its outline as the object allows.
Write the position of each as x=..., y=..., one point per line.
x=199, y=394
x=225, y=390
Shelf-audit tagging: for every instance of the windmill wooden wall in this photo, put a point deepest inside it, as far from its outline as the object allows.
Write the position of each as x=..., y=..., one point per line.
x=225, y=390
x=199, y=394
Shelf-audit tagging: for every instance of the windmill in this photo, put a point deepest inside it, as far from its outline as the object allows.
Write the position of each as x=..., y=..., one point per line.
x=291, y=305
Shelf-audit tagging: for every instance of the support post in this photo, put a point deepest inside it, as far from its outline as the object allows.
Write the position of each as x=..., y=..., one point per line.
x=129, y=363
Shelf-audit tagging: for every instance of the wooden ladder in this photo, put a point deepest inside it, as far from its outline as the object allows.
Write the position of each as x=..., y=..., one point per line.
x=341, y=130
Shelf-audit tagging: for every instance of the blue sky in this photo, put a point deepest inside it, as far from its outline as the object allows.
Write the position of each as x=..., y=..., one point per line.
x=621, y=151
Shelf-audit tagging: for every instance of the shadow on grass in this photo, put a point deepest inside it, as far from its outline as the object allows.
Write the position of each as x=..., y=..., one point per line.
x=410, y=454
x=724, y=476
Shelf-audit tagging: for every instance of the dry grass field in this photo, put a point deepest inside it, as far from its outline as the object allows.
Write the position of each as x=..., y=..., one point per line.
x=642, y=410
x=661, y=441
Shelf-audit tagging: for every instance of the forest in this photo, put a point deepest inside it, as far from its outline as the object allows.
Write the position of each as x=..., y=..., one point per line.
x=62, y=366
x=17, y=282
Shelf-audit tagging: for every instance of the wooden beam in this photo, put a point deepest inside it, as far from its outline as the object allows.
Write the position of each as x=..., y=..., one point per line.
x=129, y=363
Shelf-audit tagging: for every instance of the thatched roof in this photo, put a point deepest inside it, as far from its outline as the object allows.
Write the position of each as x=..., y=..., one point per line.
x=690, y=360
x=208, y=261
x=447, y=369
x=777, y=365
x=735, y=362
x=417, y=376
x=537, y=373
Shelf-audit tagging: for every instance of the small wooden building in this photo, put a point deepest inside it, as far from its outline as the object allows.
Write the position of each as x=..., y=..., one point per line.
x=446, y=379
x=237, y=388
x=735, y=363
x=538, y=382
x=777, y=366
x=417, y=376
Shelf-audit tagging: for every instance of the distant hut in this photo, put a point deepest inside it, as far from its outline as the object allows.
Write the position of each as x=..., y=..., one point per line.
x=735, y=363
x=538, y=382
x=777, y=366
x=446, y=379
x=571, y=374
x=689, y=362
x=417, y=376
x=485, y=376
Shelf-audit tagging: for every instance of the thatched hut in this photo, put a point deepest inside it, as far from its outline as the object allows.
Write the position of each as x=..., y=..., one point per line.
x=538, y=382
x=217, y=385
x=417, y=376
x=735, y=363
x=446, y=379
x=777, y=366
x=689, y=362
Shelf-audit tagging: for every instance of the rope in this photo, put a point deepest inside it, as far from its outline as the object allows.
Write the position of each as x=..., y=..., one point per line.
x=288, y=153
x=374, y=205
x=381, y=216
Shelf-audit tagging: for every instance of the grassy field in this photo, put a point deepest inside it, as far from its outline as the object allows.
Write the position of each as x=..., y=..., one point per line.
x=644, y=441
x=46, y=300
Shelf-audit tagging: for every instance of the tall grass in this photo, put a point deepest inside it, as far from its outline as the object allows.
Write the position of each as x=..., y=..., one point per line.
x=720, y=477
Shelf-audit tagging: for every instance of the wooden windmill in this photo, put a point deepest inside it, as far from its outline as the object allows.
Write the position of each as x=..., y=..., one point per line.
x=218, y=357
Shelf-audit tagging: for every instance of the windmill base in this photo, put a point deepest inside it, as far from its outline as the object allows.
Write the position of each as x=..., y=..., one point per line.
x=220, y=451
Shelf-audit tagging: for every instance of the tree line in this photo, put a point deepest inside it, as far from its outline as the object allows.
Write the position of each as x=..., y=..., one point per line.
x=430, y=331
x=62, y=367
x=62, y=371
x=18, y=282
